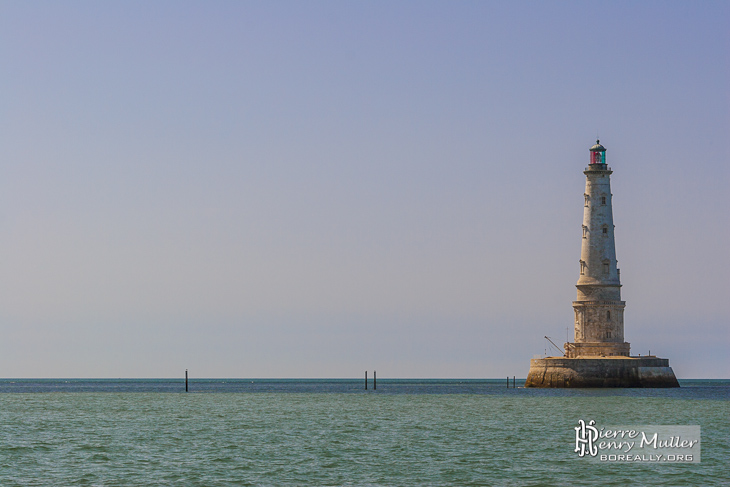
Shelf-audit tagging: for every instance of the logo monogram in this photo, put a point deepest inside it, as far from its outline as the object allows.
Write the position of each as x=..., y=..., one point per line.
x=585, y=436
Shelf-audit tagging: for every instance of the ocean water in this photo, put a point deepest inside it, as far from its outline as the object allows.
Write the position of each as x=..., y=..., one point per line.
x=334, y=432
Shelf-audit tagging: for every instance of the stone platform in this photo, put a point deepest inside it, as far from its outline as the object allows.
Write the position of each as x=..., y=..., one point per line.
x=601, y=372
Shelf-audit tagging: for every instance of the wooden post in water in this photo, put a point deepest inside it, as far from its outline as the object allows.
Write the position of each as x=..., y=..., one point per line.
x=366, y=380
x=186, y=380
x=507, y=382
x=375, y=380
x=514, y=379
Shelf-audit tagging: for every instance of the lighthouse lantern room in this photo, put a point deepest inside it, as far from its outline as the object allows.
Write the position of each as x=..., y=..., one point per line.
x=598, y=154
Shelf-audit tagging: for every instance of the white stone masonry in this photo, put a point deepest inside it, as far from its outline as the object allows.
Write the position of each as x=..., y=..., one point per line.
x=599, y=311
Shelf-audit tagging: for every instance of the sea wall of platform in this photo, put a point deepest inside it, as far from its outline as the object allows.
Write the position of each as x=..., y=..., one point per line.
x=601, y=372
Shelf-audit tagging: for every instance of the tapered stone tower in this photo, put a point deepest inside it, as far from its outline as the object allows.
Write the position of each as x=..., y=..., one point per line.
x=599, y=356
x=599, y=311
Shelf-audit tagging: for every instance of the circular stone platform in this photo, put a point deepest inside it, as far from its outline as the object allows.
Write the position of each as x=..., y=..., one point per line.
x=601, y=372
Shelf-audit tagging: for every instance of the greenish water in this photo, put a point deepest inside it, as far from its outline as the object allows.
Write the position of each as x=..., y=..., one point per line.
x=498, y=436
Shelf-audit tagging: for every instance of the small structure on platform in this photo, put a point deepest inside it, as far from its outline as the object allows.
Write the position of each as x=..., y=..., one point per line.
x=599, y=356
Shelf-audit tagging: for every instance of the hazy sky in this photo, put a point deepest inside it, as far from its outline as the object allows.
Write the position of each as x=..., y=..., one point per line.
x=316, y=189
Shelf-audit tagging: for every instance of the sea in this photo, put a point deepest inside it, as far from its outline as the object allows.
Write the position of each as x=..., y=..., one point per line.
x=305, y=432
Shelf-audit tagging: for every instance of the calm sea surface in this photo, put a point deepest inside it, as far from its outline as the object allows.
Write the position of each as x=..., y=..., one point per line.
x=334, y=432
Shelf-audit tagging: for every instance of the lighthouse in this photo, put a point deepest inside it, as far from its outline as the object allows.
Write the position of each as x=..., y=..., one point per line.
x=599, y=311
x=599, y=356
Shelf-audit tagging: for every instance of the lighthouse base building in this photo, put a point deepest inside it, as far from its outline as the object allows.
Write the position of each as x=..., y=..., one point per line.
x=599, y=356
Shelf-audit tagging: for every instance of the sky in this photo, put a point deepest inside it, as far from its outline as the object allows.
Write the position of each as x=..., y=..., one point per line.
x=316, y=189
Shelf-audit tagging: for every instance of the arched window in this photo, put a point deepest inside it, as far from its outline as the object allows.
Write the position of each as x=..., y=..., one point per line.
x=603, y=200
x=608, y=316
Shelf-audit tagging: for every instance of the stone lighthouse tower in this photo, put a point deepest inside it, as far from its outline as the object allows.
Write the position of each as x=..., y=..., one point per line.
x=599, y=311
x=599, y=356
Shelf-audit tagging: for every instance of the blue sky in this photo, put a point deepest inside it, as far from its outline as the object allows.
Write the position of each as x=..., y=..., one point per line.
x=316, y=189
